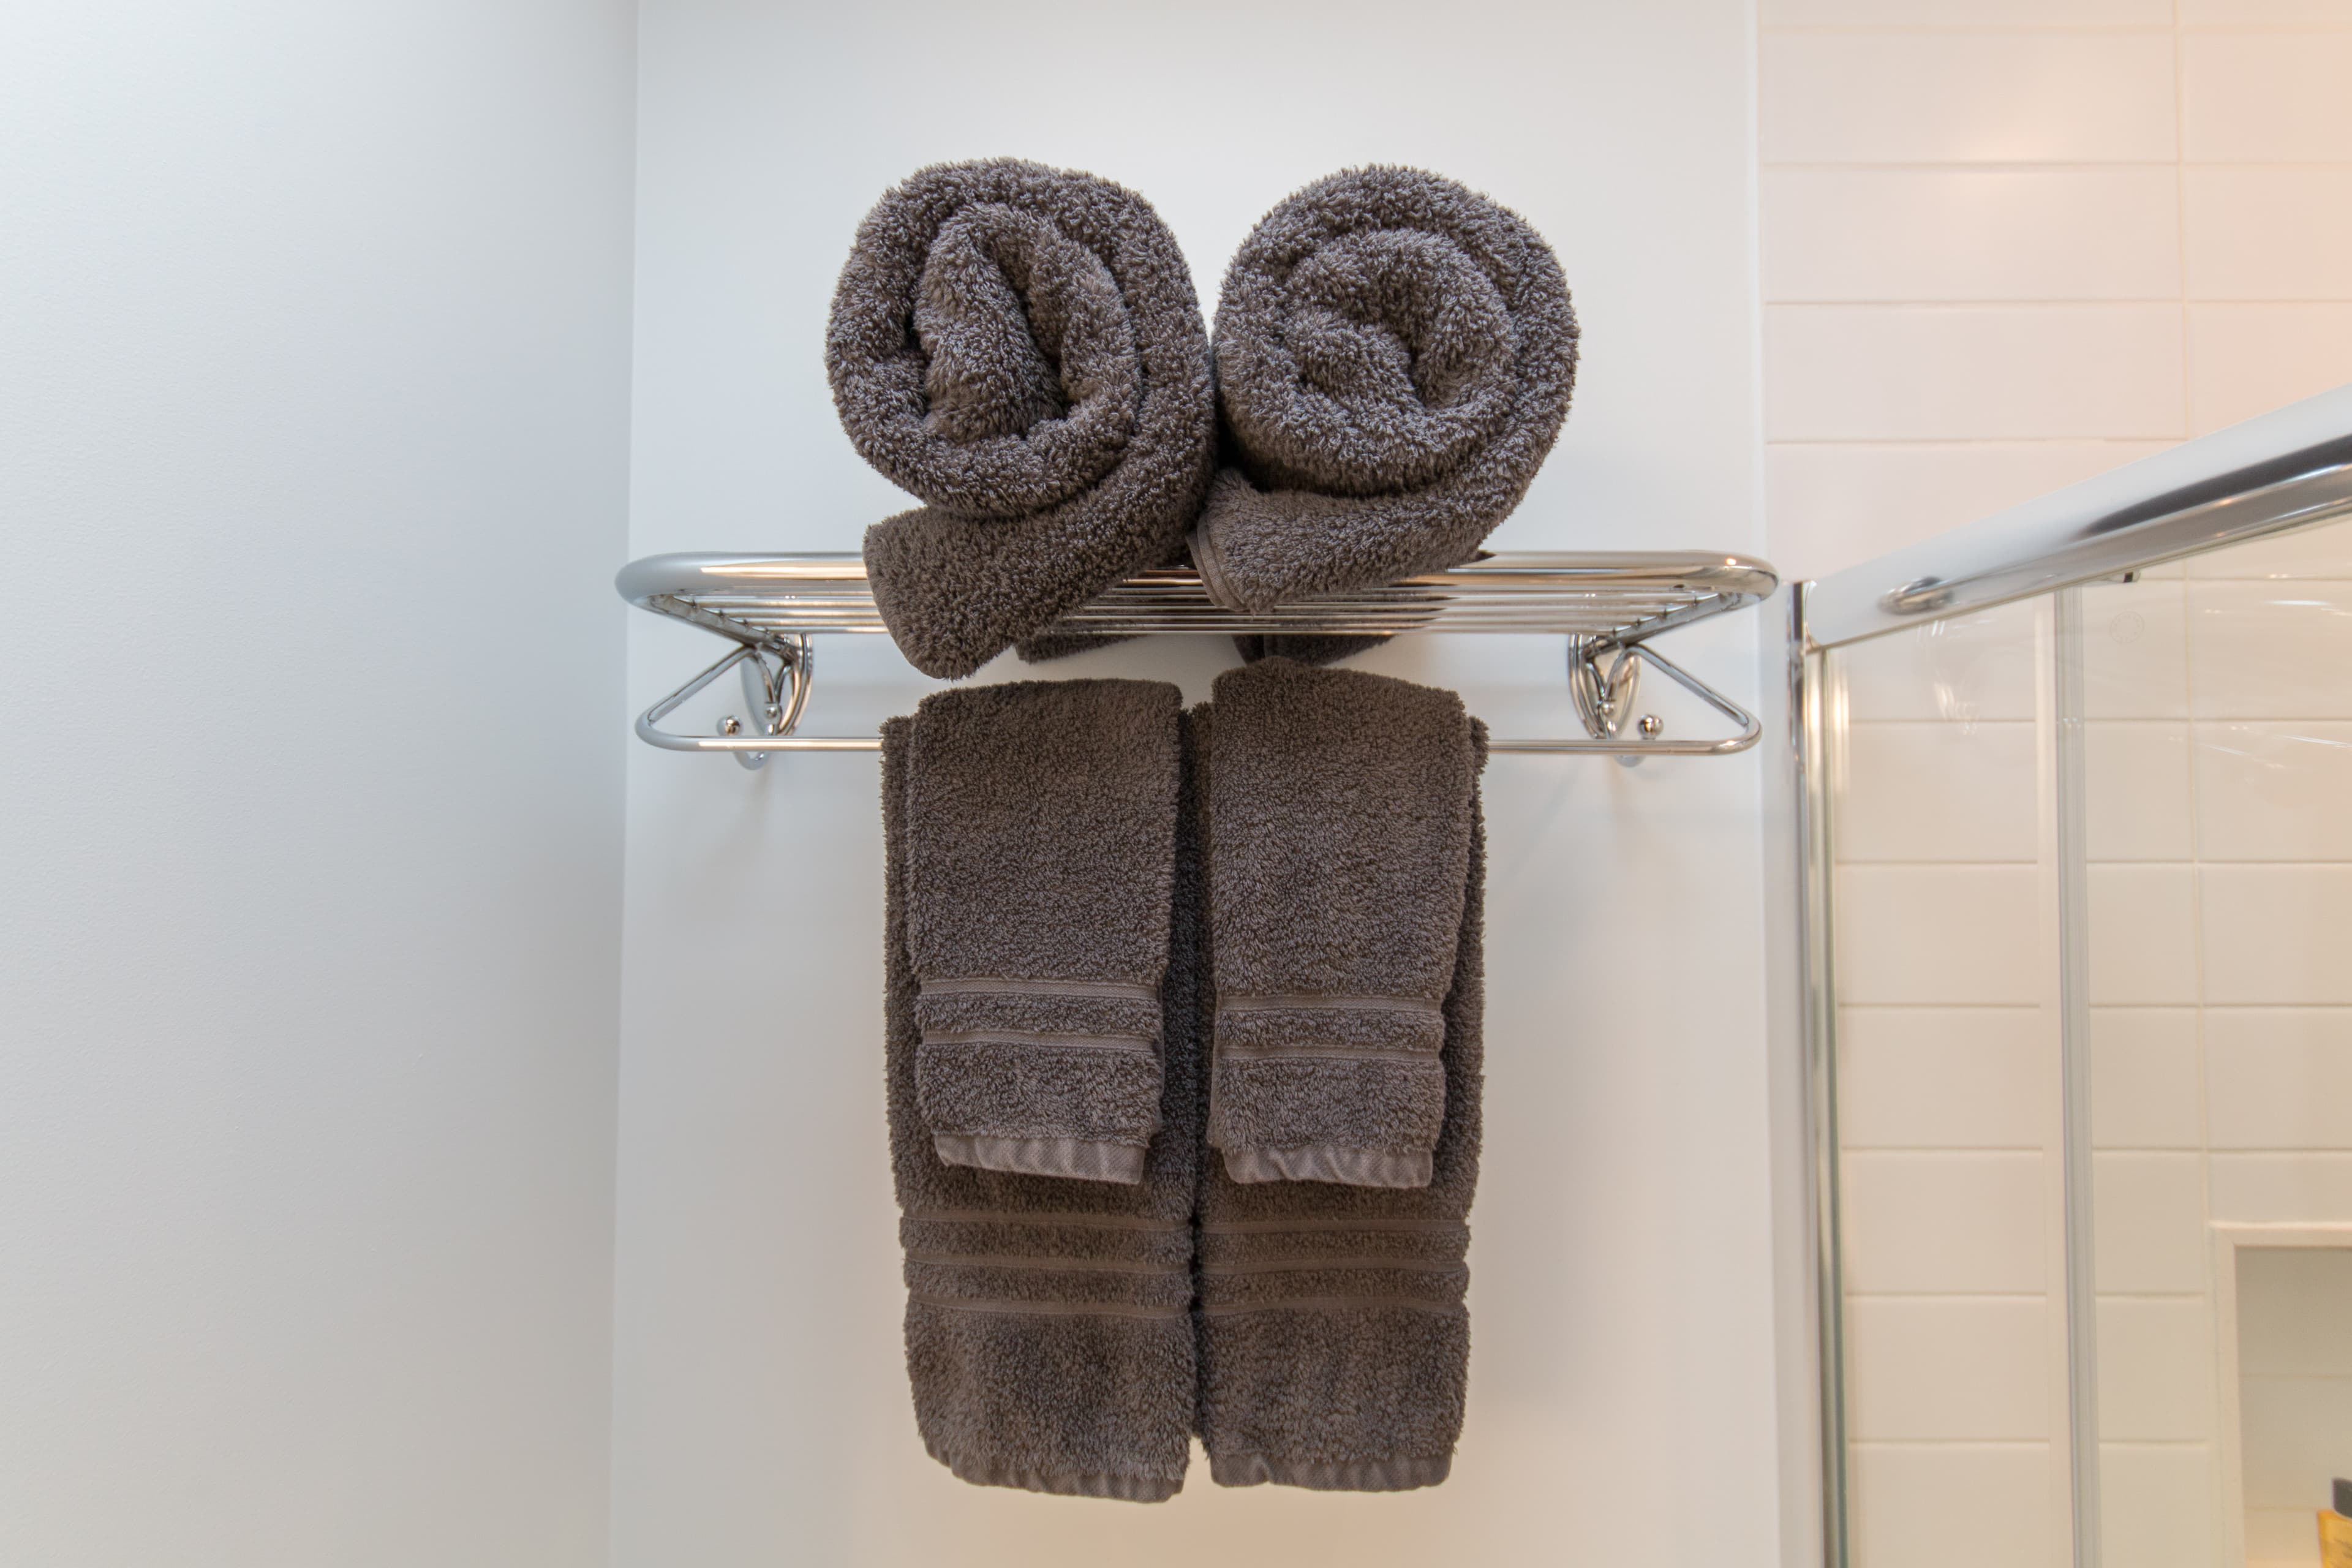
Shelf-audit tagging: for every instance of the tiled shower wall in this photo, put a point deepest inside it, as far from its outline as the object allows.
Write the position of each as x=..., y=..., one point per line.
x=2219, y=700
x=2006, y=246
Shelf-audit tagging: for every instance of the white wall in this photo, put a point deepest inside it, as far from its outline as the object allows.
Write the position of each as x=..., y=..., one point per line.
x=1621, y=1397
x=312, y=434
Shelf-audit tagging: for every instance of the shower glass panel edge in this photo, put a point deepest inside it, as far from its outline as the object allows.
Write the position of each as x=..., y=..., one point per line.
x=2063, y=777
x=1942, y=1356
x=1810, y=676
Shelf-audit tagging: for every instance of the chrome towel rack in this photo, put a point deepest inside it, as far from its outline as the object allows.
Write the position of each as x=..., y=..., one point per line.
x=1607, y=605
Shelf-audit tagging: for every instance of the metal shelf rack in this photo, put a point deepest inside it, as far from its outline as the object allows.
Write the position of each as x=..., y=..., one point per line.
x=1606, y=604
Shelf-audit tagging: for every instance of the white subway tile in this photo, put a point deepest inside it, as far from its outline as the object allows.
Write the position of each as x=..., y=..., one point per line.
x=2135, y=651
x=2265, y=12
x=2279, y=1188
x=1937, y=792
x=1927, y=1368
x=1968, y=13
x=2279, y=1077
x=1946, y=97
x=2156, y=1370
x=1945, y=1222
x=2271, y=650
x=2144, y=1080
x=1970, y=668
x=2277, y=935
x=2245, y=360
x=2143, y=934
x=1921, y=1078
x=1831, y=506
x=2274, y=790
x=2136, y=795
x=2325, y=551
x=1940, y=934
x=2147, y=1223
x=2268, y=234
x=2296, y=1434
x=1970, y=234
x=2265, y=97
x=1939, y=1506
x=2294, y=1310
x=2157, y=1507
x=1911, y=373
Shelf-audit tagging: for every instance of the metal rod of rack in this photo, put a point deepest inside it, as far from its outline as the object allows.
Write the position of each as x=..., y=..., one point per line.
x=1606, y=605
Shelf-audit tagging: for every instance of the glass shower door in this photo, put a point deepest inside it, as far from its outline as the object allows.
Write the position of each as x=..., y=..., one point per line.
x=2086, y=862
x=2218, y=791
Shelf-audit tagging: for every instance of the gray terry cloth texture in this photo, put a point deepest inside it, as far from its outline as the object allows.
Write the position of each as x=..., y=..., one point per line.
x=1049, y=1336
x=1341, y=813
x=1020, y=348
x=1040, y=836
x=1307, y=647
x=1334, y=1338
x=1395, y=355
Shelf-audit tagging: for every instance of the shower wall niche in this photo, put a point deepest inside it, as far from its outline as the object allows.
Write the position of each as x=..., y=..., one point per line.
x=2084, y=1039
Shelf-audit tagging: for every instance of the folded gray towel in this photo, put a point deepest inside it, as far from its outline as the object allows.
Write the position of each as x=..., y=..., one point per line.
x=1021, y=349
x=1395, y=355
x=1334, y=1341
x=1049, y=1341
x=1040, y=837
x=1339, y=853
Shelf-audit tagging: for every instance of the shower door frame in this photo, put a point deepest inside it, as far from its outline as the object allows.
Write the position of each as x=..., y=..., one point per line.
x=2287, y=470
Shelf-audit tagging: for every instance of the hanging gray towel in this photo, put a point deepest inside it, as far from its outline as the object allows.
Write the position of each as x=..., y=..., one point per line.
x=1395, y=355
x=1340, y=805
x=1020, y=348
x=1334, y=1338
x=1040, y=844
x=1049, y=1337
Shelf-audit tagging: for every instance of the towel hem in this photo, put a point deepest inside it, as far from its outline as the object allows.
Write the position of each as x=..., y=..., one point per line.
x=1397, y=1475
x=993, y=985
x=1325, y=1162
x=1079, y=1159
x=1323, y=1002
x=983, y=1472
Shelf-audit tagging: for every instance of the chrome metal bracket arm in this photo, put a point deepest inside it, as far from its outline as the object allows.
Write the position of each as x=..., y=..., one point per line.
x=1603, y=679
x=776, y=677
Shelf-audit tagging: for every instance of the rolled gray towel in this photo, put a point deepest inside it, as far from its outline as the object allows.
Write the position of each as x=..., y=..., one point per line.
x=1049, y=1337
x=1395, y=355
x=1334, y=1338
x=1040, y=849
x=1341, y=813
x=1020, y=348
